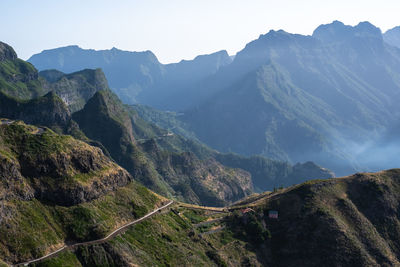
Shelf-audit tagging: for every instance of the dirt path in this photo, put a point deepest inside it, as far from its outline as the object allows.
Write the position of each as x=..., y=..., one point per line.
x=98, y=241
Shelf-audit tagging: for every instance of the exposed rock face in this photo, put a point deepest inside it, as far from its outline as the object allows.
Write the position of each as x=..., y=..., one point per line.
x=7, y=52
x=48, y=110
x=106, y=120
x=201, y=181
x=74, y=89
x=54, y=168
x=12, y=184
x=268, y=174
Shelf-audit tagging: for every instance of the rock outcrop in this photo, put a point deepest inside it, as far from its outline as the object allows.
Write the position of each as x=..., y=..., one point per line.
x=7, y=52
x=54, y=168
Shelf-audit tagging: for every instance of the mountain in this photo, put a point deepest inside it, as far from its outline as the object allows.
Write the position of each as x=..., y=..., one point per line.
x=17, y=77
x=135, y=76
x=74, y=89
x=125, y=71
x=48, y=110
x=299, y=98
x=20, y=80
x=168, y=163
x=266, y=173
x=178, y=89
x=180, y=174
x=270, y=174
x=56, y=189
x=351, y=221
x=392, y=36
x=106, y=123
x=323, y=98
x=62, y=197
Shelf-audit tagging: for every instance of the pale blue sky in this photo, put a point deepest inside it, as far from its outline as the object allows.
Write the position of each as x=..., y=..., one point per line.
x=174, y=29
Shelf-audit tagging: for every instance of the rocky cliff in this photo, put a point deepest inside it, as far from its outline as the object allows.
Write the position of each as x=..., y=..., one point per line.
x=74, y=89
x=17, y=77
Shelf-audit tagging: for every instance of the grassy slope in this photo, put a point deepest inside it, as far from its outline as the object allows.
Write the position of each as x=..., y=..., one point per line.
x=351, y=221
x=19, y=79
x=33, y=226
x=170, y=239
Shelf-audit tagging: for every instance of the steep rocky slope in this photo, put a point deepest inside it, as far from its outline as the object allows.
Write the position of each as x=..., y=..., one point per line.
x=270, y=174
x=48, y=110
x=17, y=77
x=179, y=174
x=55, y=189
x=123, y=133
x=350, y=221
x=298, y=98
x=74, y=89
x=266, y=173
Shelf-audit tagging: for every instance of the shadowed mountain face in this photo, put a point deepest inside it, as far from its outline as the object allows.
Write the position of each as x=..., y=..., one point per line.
x=136, y=76
x=324, y=98
x=392, y=36
x=297, y=97
x=74, y=89
x=179, y=174
x=351, y=221
x=167, y=163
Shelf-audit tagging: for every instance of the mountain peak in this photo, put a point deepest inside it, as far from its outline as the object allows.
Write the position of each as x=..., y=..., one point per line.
x=219, y=54
x=273, y=33
x=7, y=52
x=395, y=29
x=367, y=28
x=392, y=36
x=338, y=31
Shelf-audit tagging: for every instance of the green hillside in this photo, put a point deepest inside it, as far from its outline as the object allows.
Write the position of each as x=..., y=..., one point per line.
x=61, y=190
x=17, y=77
x=350, y=221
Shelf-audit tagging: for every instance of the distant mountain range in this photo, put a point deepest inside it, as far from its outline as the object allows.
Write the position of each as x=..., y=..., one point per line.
x=137, y=76
x=392, y=36
x=326, y=98
x=81, y=104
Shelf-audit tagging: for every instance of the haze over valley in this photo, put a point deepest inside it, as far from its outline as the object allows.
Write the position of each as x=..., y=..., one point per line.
x=329, y=98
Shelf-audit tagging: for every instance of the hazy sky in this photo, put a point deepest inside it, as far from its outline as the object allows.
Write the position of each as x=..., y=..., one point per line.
x=174, y=29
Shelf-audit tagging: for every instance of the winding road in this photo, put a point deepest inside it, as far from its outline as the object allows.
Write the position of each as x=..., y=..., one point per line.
x=98, y=241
